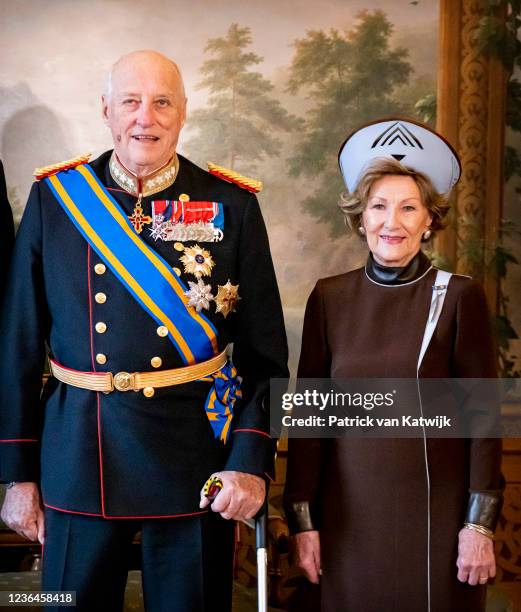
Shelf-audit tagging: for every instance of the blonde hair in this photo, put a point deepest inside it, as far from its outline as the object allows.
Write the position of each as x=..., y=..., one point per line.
x=353, y=204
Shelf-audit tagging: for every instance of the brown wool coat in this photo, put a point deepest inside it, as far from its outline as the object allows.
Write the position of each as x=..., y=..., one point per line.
x=369, y=497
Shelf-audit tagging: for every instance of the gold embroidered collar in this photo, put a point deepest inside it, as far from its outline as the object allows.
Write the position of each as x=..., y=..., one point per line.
x=145, y=185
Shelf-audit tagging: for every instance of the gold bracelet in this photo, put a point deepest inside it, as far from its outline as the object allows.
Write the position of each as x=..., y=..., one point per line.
x=480, y=529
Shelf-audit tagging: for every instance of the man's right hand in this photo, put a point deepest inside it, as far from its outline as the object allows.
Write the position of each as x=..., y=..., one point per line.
x=307, y=554
x=23, y=511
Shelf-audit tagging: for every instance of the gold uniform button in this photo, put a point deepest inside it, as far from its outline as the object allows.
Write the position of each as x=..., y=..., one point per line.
x=101, y=298
x=100, y=268
x=156, y=362
x=177, y=271
x=101, y=358
x=148, y=391
x=162, y=331
x=184, y=197
x=101, y=327
x=179, y=246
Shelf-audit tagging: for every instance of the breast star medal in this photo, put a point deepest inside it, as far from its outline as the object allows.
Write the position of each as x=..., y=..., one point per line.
x=226, y=298
x=199, y=295
x=197, y=261
x=138, y=219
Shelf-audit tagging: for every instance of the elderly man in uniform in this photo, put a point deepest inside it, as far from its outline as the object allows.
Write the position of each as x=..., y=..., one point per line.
x=133, y=273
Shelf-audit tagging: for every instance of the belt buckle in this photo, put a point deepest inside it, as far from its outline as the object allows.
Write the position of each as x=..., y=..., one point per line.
x=123, y=381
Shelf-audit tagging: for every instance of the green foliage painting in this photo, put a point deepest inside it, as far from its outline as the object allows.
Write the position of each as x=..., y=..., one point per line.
x=239, y=124
x=352, y=78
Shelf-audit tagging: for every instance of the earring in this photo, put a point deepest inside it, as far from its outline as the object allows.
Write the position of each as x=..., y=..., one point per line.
x=361, y=230
x=427, y=234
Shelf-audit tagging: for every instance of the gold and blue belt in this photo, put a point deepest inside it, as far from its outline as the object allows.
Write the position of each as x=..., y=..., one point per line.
x=218, y=370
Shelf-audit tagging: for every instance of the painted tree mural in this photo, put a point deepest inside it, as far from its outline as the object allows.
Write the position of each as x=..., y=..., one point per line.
x=350, y=77
x=239, y=125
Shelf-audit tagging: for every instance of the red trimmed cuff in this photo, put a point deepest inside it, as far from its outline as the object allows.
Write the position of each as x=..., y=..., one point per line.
x=250, y=430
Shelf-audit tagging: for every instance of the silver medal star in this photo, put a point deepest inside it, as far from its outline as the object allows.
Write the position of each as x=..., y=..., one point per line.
x=199, y=295
x=158, y=231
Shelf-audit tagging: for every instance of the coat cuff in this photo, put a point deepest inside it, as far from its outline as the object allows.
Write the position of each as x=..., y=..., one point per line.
x=484, y=509
x=299, y=517
x=252, y=452
x=20, y=461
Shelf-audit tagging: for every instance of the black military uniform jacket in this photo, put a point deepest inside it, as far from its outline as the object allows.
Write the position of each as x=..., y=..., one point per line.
x=122, y=454
x=6, y=231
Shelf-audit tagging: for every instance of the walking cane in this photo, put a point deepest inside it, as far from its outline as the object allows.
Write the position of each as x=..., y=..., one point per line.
x=211, y=489
x=262, y=557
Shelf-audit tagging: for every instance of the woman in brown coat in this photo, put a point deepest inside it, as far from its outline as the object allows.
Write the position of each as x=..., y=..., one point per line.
x=396, y=525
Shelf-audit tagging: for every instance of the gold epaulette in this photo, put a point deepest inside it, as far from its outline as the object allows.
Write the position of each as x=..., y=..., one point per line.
x=40, y=173
x=234, y=177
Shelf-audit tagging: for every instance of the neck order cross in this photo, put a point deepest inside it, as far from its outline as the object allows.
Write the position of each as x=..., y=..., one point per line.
x=138, y=219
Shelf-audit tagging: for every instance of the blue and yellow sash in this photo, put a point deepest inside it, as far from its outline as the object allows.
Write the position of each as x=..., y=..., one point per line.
x=146, y=275
x=221, y=399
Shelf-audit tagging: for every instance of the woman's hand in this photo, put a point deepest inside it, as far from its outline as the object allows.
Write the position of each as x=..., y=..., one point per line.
x=307, y=554
x=476, y=562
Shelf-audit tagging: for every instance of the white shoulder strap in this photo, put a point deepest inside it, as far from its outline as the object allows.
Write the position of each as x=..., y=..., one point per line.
x=439, y=291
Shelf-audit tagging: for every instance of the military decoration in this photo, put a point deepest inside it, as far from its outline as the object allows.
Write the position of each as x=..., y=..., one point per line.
x=158, y=230
x=199, y=295
x=182, y=221
x=138, y=219
x=227, y=298
x=197, y=261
